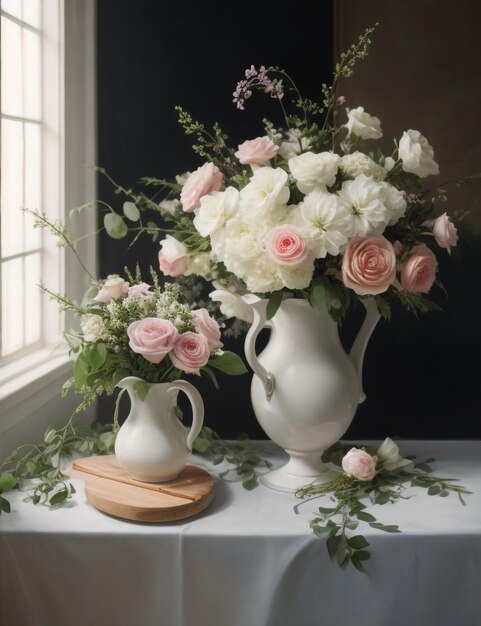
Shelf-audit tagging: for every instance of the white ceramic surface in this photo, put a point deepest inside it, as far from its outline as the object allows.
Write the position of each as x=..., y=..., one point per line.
x=152, y=445
x=305, y=388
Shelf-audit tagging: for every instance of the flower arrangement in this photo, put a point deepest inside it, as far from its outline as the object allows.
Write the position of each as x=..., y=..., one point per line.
x=369, y=476
x=131, y=328
x=313, y=209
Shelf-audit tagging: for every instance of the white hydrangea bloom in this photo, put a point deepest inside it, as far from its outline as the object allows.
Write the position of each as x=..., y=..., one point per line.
x=366, y=198
x=327, y=221
x=297, y=277
x=310, y=170
x=93, y=327
x=359, y=163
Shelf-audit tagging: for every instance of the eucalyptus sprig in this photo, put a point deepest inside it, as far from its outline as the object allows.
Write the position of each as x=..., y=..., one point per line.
x=351, y=496
x=39, y=468
x=246, y=463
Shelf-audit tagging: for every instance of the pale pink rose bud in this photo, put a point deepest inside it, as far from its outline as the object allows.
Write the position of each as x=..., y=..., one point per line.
x=203, y=181
x=287, y=245
x=419, y=271
x=139, y=289
x=173, y=258
x=369, y=265
x=152, y=337
x=207, y=326
x=113, y=287
x=190, y=353
x=359, y=464
x=445, y=231
x=256, y=151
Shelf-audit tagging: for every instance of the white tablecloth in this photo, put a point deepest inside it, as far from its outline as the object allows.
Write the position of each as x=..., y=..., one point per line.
x=248, y=560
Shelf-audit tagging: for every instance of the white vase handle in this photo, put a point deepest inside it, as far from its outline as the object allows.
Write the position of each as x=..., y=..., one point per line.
x=197, y=409
x=360, y=344
x=259, y=310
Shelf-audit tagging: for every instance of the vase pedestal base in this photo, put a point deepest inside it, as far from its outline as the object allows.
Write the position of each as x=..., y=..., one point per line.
x=303, y=468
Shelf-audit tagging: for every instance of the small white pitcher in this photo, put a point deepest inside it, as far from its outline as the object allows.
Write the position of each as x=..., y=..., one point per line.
x=152, y=444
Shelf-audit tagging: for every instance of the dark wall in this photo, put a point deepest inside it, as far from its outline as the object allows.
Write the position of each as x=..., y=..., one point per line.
x=421, y=377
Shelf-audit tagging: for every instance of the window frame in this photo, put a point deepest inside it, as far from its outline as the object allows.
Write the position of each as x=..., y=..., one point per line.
x=30, y=386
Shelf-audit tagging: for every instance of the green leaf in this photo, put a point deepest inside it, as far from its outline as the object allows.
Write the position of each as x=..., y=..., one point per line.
x=274, y=303
x=343, y=557
x=356, y=561
x=250, y=484
x=7, y=481
x=59, y=497
x=326, y=510
x=434, y=490
x=363, y=555
x=357, y=542
x=318, y=296
x=4, y=505
x=229, y=363
x=201, y=445
x=365, y=517
x=332, y=545
x=115, y=226
x=387, y=529
x=97, y=355
x=131, y=212
x=141, y=388
x=211, y=375
x=320, y=531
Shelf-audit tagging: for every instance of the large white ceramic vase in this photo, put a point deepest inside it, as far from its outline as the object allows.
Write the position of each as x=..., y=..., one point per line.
x=305, y=388
x=153, y=445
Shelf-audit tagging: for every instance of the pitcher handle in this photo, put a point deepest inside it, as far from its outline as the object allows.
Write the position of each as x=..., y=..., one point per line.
x=360, y=344
x=259, y=310
x=197, y=409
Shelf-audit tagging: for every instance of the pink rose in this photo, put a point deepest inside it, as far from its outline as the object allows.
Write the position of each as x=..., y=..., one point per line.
x=190, y=353
x=152, y=337
x=113, y=287
x=359, y=464
x=445, y=231
x=205, y=179
x=287, y=245
x=173, y=259
x=207, y=326
x=139, y=289
x=256, y=151
x=419, y=271
x=369, y=265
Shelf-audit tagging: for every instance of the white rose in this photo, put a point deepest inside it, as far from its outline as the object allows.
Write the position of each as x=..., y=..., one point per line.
x=199, y=264
x=93, y=327
x=266, y=190
x=362, y=124
x=359, y=163
x=416, y=154
x=232, y=305
x=294, y=145
x=310, y=170
x=215, y=209
x=369, y=214
x=327, y=221
x=388, y=455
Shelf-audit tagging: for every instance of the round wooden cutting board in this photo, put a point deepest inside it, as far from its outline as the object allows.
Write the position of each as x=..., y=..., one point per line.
x=116, y=493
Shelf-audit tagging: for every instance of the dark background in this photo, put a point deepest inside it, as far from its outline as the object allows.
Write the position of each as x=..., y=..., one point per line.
x=421, y=377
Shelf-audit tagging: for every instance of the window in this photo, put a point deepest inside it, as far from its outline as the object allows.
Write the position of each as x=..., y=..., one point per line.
x=30, y=170
x=47, y=110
